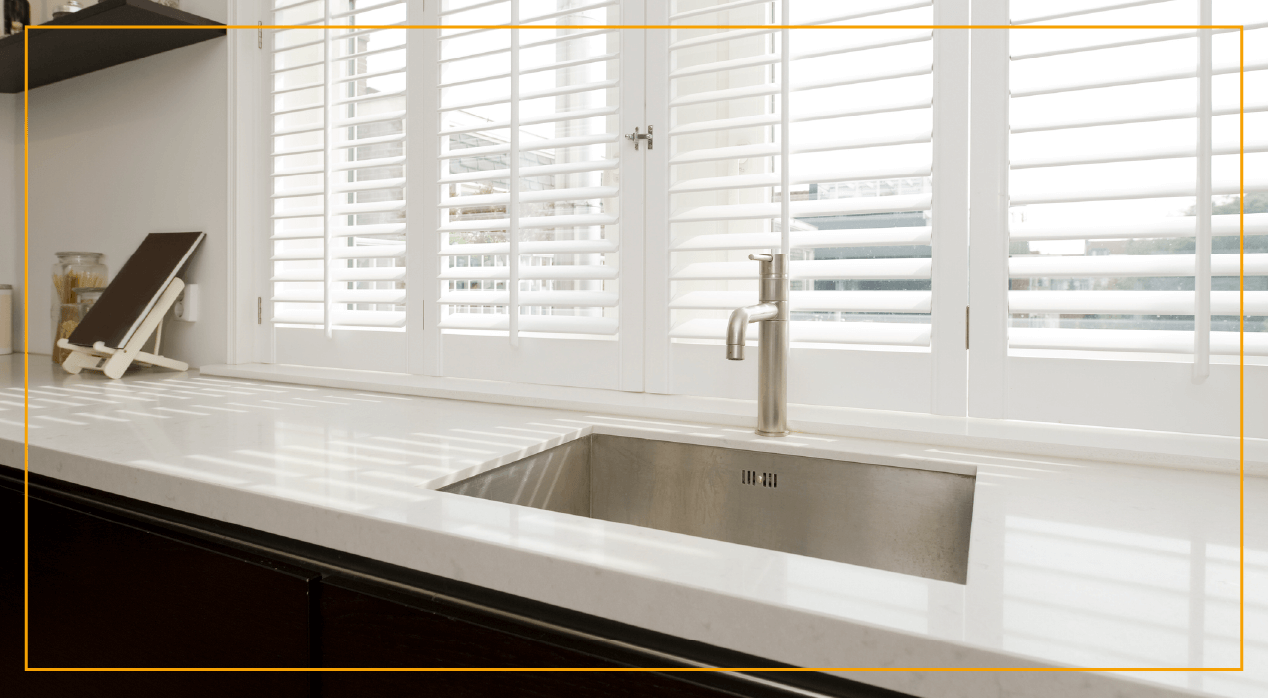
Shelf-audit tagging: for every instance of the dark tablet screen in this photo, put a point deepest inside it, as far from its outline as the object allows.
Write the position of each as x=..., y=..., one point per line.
x=135, y=289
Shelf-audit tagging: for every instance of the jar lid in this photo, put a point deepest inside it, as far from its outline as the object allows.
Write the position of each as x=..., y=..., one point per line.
x=79, y=254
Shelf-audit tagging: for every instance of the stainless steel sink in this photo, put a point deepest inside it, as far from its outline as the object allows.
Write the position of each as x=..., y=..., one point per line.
x=898, y=519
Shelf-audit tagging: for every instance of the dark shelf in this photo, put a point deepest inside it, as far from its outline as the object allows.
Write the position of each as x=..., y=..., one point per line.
x=59, y=55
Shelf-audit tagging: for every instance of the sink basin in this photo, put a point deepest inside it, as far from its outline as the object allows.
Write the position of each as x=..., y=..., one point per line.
x=897, y=519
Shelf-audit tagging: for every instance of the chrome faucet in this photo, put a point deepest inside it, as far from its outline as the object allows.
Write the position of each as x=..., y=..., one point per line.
x=772, y=366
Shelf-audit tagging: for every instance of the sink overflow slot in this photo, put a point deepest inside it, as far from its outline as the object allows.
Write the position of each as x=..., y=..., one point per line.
x=752, y=477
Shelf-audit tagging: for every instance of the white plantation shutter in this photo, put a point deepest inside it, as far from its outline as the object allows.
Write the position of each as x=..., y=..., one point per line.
x=1124, y=179
x=529, y=220
x=532, y=173
x=1105, y=242
x=339, y=165
x=818, y=143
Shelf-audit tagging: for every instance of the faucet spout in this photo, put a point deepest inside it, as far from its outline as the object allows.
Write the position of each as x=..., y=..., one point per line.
x=737, y=326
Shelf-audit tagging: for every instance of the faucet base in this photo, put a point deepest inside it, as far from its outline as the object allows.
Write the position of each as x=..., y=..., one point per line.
x=759, y=432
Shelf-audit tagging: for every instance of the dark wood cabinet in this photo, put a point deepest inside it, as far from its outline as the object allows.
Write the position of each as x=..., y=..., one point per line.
x=116, y=583
x=106, y=594
x=360, y=629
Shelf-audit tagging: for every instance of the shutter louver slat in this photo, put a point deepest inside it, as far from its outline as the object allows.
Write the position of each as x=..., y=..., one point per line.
x=897, y=170
x=572, y=272
x=1132, y=265
x=547, y=324
x=388, y=229
x=586, y=299
x=548, y=195
x=471, y=7
x=370, y=274
x=544, y=144
x=1167, y=36
x=561, y=39
x=386, y=296
x=369, y=164
x=534, y=121
x=299, y=234
x=371, y=252
x=1053, y=122
x=1151, y=341
x=1226, y=185
x=535, y=247
x=898, y=105
x=1157, y=76
x=572, y=10
x=567, y=221
x=1133, y=302
x=724, y=7
x=1174, y=227
x=541, y=94
x=897, y=268
x=850, y=301
x=542, y=171
x=1092, y=9
x=1155, y=152
x=806, y=209
x=864, y=333
x=862, y=237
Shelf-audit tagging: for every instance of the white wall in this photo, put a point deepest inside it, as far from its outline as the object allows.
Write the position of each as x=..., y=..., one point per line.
x=11, y=204
x=134, y=149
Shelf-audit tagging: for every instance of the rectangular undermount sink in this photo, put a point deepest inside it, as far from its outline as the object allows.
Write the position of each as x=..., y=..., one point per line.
x=890, y=518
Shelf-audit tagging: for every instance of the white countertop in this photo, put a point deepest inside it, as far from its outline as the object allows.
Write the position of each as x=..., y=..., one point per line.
x=1072, y=562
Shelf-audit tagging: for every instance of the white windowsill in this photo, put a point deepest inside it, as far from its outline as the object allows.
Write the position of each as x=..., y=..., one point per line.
x=1166, y=449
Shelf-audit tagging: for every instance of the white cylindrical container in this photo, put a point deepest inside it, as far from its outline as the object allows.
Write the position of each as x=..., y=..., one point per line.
x=6, y=319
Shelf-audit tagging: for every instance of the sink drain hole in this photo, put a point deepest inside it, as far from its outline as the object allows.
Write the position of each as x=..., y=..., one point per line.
x=752, y=477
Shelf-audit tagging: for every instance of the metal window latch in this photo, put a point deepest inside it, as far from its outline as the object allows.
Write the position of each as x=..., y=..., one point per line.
x=636, y=137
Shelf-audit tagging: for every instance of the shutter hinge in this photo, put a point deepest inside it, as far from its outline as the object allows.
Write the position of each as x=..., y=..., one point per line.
x=259, y=310
x=966, y=327
x=259, y=35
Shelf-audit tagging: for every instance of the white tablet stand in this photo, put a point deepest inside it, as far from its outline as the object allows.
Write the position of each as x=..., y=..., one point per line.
x=113, y=362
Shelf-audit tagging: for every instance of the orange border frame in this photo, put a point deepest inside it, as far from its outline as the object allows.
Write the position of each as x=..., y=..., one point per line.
x=1242, y=357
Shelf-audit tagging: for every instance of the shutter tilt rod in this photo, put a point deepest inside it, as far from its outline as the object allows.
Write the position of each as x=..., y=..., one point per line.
x=1202, y=246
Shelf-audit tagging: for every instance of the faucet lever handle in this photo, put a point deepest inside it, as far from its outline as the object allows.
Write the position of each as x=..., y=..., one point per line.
x=762, y=257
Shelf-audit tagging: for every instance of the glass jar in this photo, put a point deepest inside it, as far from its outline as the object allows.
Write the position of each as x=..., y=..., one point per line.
x=88, y=295
x=73, y=270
